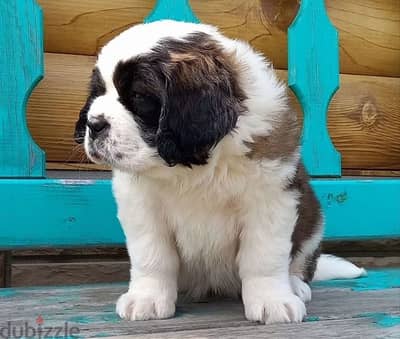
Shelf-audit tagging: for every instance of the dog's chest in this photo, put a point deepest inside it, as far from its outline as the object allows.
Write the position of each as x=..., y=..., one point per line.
x=206, y=234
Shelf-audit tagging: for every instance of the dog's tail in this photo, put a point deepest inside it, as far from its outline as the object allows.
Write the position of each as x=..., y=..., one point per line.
x=331, y=267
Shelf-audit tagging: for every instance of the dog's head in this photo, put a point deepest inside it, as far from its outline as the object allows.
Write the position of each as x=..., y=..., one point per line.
x=161, y=94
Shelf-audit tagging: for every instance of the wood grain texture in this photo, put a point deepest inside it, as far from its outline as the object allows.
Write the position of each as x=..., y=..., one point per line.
x=343, y=328
x=363, y=121
x=363, y=117
x=381, y=247
x=83, y=26
x=371, y=173
x=87, y=270
x=335, y=311
x=54, y=106
x=52, y=266
x=77, y=166
x=369, y=30
x=381, y=262
x=68, y=273
x=71, y=254
x=2, y=269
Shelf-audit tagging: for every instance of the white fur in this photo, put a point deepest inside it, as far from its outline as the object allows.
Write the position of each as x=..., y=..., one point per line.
x=224, y=226
x=300, y=288
x=331, y=267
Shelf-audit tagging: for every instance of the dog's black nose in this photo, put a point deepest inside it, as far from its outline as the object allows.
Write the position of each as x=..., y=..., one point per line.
x=98, y=127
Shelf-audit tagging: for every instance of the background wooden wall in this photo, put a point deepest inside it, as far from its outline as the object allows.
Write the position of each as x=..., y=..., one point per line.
x=364, y=117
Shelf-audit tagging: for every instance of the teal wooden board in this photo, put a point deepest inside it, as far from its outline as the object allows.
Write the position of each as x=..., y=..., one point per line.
x=313, y=64
x=360, y=208
x=21, y=62
x=53, y=213
x=179, y=10
x=375, y=280
x=57, y=213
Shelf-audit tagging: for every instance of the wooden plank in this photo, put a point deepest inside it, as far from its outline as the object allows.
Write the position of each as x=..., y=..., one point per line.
x=313, y=74
x=52, y=266
x=21, y=69
x=363, y=122
x=376, y=261
x=102, y=253
x=54, y=213
x=369, y=173
x=347, y=328
x=82, y=27
x=363, y=117
x=382, y=247
x=91, y=309
x=76, y=166
x=68, y=273
x=2, y=269
x=370, y=42
x=54, y=106
x=354, y=209
x=72, y=166
x=83, y=212
x=369, y=35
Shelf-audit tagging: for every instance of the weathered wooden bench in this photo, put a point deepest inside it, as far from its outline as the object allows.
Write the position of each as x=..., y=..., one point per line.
x=37, y=212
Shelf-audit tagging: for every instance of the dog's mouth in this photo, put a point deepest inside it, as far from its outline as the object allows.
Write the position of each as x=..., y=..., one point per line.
x=97, y=152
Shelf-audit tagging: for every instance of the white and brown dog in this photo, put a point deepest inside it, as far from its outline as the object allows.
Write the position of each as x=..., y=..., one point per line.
x=211, y=192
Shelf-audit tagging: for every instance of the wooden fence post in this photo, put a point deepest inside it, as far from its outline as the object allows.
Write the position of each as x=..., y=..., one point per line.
x=21, y=62
x=314, y=77
x=179, y=10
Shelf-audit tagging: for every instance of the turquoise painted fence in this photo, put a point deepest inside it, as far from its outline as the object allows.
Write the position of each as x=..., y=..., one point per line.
x=21, y=68
x=45, y=212
x=313, y=62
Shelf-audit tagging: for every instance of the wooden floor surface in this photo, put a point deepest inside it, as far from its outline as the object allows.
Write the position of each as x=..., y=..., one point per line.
x=368, y=307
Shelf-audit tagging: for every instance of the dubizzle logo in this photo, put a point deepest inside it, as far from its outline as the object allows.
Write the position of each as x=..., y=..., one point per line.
x=39, y=320
x=13, y=330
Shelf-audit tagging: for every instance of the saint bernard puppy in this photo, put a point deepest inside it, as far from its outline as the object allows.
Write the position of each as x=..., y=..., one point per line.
x=212, y=194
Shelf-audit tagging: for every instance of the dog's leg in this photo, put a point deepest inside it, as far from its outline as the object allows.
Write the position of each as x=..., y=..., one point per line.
x=154, y=269
x=264, y=257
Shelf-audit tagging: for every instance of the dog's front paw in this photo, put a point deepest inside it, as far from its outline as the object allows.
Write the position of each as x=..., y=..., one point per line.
x=270, y=309
x=133, y=306
x=300, y=288
x=267, y=304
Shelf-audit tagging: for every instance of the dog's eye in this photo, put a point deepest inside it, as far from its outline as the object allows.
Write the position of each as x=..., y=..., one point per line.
x=139, y=96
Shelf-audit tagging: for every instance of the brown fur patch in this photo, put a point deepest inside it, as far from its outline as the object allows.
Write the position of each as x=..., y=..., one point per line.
x=179, y=57
x=309, y=218
x=199, y=60
x=280, y=143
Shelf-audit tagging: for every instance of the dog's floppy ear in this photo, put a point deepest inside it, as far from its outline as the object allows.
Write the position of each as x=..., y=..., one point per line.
x=202, y=105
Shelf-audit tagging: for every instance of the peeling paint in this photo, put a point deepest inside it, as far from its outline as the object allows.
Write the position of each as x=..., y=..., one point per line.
x=98, y=318
x=7, y=292
x=311, y=318
x=111, y=317
x=375, y=280
x=72, y=182
x=81, y=320
x=102, y=335
x=382, y=319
